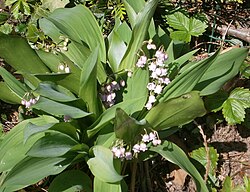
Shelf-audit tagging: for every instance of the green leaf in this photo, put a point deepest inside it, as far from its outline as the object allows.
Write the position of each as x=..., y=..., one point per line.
x=100, y=186
x=137, y=87
x=174, y=154
x=103, y=160
x=12, y=147
x=215, y=101
x=13, y=84
x=187, y=80
x=59, y=109
x=71, y=181
x=79, y=24
x=6, y=28
x=224, y=68
x=186, y=27
x=54, y=4
x=176, y=111
x=33, y=34
x=31, y=170
x=7, y=95
x=130, y=106
x=138, y=35
x=53, y=144
x=126, y=127
x=88, y=83
x=55, y=92
x=234, y=107
x=227, y=185
x=200, y=155
x=16, y=51
x=116, y=51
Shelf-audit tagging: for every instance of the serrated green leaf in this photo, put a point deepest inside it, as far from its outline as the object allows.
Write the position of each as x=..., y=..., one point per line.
x=103, y=160
x=200, y=155
x=6, y=28
x=186, y=27
x=71, y=181
x=234, y=107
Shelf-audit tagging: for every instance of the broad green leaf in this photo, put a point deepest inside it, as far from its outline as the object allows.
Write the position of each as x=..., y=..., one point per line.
x=3, y=17
x=14, y=85
x=177, y=111
x=186, y=27
x=129, y=107
x=33, y=34
x=71, y=181
x=88, y=83
x=54, y=4
x=137, y=87
x=215, y=101
x=138, y=35
x=127, y=128
x=32, y=129
x=100, y=186
x=224, y=68
x=79, y=24
x=176, y=155
x=200, y=155
x=7, y=95
x=124, y=32
x=233, y=108
x=16, y=51
x=31, y=170
x=55, y=92
x=59, y=109
x=12, y=147
x=186, y=81
x=53, y=144
x=103, y=160
x=116, y=51
x=106, y=140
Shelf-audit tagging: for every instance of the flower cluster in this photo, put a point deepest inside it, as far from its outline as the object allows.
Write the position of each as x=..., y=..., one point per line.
x=52, y=47
x=158, y=72
x=123, y=151
x=108, y=92
x=29, y=100
x=64, y=68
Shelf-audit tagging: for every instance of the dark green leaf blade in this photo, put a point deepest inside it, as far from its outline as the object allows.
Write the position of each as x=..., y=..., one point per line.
x=71, y=181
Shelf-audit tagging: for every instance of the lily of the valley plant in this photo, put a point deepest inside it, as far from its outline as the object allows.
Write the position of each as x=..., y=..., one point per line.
x=102, y=103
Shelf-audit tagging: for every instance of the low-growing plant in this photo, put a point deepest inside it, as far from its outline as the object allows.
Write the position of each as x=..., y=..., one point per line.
x=102, y=104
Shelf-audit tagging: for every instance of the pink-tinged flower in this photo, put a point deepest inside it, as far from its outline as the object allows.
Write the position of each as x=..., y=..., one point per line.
x=152, y=66
x=149, y=106
x=151, y=46
x=122, y=83
x=145, y=138
x=28, y=104
x=136, y=148
x=33, y=101
x=23, y=102
x=154, y=75
x=158, y=89
x=115, y=86
x=164, y=72
x=158, y=71
x=152, y=136
x=151, y=99
x=166, y=81
x=156, y=142
x=143, y=147
x=151, y=86
x=128, y=155
x=142, y=61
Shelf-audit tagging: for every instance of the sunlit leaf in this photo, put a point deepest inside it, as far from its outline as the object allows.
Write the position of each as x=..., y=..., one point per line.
x=234, y=107
x=54, y=4
x=103, y=160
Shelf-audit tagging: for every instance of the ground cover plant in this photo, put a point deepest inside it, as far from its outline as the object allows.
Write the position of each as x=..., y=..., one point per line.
x=97, y=106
